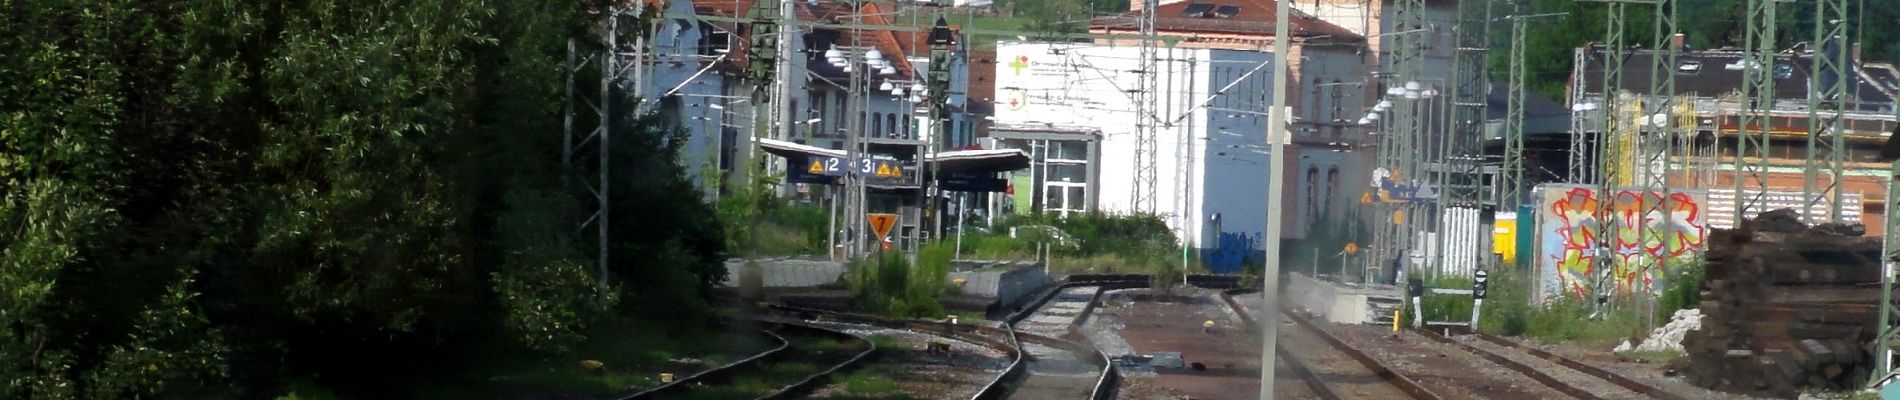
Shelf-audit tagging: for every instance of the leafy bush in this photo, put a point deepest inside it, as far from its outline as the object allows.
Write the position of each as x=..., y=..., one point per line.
x=1684, y=290
x=1507, y=305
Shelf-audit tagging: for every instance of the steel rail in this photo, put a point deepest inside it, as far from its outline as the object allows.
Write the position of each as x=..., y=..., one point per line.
x=1515, y=366
x=793, y=390
x=992, y=390
x=1106, y=383
x=1619, y=380
x=715, y=373
x=1407, y=385
x=1300, y=368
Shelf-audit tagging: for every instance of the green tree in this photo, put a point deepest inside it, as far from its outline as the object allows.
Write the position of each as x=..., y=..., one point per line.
x=204, y=199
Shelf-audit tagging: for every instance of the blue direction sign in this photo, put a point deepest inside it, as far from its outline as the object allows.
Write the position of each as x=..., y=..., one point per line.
x=833, y=166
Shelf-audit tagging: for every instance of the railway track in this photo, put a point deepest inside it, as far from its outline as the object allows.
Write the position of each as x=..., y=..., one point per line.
x=1043, y=366
x=1060, y=369
x=805, y=359
x=999, y=339
x=1539, y=365
x=1331, y=368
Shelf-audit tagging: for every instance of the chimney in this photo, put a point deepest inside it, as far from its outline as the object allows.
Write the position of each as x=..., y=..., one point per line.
x=1679, y=41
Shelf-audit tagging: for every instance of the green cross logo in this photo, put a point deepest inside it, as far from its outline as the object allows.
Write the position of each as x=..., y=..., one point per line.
x=1020, y=63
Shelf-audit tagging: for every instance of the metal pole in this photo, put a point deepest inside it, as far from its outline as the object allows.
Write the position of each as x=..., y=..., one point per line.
x=1276, y=125
x=608, y=65
x=963, y=205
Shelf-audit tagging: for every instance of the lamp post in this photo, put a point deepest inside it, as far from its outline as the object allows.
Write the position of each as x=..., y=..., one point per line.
x=855, y=61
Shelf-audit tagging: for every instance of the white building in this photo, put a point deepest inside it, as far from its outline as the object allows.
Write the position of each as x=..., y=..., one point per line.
x=1211, y=148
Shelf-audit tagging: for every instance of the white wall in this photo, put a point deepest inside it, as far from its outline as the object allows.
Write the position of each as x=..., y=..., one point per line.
x=1086, y=85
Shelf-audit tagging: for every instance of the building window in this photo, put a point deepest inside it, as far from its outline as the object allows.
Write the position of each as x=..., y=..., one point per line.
x=1338, y=113
x=890, y=120
x=877, y=124
x=1332, y=189
x=1312, y=194
x=818, y=107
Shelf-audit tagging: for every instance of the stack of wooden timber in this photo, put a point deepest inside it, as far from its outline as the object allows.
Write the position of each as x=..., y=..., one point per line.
x=1787, y=308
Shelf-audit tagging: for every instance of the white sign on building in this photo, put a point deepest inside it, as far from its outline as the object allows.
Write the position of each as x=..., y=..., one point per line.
x=1211, y=105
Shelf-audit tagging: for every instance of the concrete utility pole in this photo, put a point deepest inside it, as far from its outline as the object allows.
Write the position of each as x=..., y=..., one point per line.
x=1277, y=138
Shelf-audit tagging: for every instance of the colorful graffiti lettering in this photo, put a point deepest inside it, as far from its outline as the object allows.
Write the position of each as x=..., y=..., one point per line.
x=1575, y=221
x=1232, y=253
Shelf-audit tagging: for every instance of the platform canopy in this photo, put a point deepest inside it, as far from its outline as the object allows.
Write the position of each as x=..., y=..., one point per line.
x=961, y=161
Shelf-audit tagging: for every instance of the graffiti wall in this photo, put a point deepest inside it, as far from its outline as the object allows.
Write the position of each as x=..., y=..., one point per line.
x=1584, y=233
x=1231, y=253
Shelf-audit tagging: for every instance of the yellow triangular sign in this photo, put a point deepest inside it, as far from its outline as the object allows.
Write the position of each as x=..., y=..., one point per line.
x=817, y=167
x=883, y=170
x=897, y=172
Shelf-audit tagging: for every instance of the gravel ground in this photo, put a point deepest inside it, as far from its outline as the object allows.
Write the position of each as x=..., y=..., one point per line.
x=1130, y=322
x=1653, y=374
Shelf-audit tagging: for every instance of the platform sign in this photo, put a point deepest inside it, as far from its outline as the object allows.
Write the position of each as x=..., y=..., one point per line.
x=833, y=166
x=881, y=223
x=827, y=166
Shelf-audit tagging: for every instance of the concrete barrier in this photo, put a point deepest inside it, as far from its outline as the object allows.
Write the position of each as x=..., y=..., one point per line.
x=1345, y=303
x=787, y=272
x=1006, y=281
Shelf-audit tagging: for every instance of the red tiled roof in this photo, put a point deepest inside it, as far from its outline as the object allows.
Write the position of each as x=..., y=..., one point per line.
x=1254, y=17
x=896, y=45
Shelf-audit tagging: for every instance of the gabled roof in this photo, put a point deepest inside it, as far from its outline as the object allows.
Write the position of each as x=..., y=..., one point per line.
x=1717, y=73
x=1245, y=17
x=895, y=45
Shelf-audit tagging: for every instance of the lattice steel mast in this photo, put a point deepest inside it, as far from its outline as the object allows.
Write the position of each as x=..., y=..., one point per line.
x=1758, y=97
x=1658, y=141
x=1888, y=343
x=612, y=70
x=1460, y=173
x=1511, y=170
x=1396, y=150
x=1611, y=153
x=1826, y=134
x=1146, y=170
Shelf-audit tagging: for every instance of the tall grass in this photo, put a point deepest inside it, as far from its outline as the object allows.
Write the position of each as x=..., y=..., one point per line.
x=888, y=286
x=1509, y=311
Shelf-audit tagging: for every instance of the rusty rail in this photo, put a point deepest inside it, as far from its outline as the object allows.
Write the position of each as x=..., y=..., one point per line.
x=1619, y=380
x=969, y=333
x=1513, y=365
x=1306, y=373
x=722, y=372
x=779, y=353
x=1401, y=381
